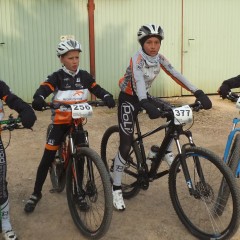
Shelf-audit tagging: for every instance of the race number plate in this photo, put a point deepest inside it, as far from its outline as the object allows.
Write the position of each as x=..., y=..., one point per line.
x=81, y=110
x=182, y=115
x=238, y=103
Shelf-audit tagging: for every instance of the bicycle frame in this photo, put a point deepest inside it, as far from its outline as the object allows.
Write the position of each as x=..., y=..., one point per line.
x=197, y=181
x=172, y=132
x=82, y=172
x=229, y=143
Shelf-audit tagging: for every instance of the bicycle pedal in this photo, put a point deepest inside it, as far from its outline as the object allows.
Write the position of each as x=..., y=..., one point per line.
x=144, y=184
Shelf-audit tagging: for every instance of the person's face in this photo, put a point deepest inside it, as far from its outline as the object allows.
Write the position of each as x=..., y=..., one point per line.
x=152, y=46
x=70, y=60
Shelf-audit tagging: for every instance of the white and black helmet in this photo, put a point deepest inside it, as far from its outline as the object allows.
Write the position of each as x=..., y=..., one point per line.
x=68, y=45
x=149, y=30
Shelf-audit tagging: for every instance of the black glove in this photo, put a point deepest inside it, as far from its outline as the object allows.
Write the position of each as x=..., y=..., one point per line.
x=109, y=101
x=224, y=91
x=203, y=99
x=38, y=103
x=151, y=110
x=27, y=116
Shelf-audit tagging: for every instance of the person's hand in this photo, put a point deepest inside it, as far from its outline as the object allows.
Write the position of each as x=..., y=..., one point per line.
x=203, y=99
x=151, y=110
x=38, y=103
x=224, y=90
x=27, y=116
x=109, y=101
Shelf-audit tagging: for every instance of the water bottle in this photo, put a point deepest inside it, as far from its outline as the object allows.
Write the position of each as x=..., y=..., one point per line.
x=152, y=155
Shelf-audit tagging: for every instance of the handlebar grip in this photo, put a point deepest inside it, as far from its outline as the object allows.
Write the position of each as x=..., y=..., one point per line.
x=165, y=114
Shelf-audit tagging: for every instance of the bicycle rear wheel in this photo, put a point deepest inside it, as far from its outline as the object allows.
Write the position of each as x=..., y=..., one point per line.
x=197, y=211
x=233, y=164
x=109, y=149
x=88, y=182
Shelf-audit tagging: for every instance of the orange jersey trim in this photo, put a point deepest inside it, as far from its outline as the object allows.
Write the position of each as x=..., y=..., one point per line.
x=128, y=88
x=49, y=85
x=51, y=148
x=4, y=98
x=93, y=85
x=175, y=79
x=69, y=102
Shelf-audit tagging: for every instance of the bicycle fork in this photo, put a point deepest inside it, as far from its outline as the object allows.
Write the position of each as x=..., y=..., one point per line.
x=73, y=153
x=78, y=172
x=182, y=153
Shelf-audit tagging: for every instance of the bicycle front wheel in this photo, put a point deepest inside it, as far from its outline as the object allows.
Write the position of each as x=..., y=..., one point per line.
x=109, y=149
x=197, y=210
x=89, y=193
x=235, y=155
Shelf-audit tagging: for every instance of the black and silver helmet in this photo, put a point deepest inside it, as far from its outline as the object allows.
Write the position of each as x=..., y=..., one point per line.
x=150, y=30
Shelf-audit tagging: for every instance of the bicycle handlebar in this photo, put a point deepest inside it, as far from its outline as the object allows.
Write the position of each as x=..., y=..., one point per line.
x=11, y=123
x=58, y=105
x=169, y=113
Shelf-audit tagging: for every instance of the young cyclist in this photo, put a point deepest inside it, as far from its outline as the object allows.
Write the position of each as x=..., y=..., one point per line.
x=69, y=84
x=143, y=68
x=226, y=87
x=28, y=118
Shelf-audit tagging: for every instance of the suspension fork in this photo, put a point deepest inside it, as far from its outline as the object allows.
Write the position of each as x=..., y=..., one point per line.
x=73, y=154
x=182, y=152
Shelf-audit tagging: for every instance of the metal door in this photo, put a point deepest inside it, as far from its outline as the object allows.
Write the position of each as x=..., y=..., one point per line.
x=210, y=42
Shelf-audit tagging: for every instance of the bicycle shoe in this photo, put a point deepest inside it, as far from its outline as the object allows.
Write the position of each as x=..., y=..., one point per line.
x=32, y=202
x=10, y=235
x=118, y=202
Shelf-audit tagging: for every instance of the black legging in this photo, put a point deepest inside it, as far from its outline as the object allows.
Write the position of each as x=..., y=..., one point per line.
x=3, y=173
x=128, y=109
x=54, y=138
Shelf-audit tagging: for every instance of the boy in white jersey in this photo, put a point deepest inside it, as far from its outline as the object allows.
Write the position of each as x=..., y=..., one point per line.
x=143, y=68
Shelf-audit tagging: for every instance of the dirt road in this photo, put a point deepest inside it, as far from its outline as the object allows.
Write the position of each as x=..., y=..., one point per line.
x=149, y=216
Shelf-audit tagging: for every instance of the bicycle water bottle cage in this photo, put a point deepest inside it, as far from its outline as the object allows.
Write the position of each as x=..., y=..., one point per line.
x=81, y=110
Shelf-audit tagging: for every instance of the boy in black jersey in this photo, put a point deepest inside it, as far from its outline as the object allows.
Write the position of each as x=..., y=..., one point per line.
x=69, y=85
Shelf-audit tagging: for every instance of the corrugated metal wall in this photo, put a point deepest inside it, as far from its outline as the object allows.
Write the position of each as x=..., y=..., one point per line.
x=117, y=23
x=31, y=29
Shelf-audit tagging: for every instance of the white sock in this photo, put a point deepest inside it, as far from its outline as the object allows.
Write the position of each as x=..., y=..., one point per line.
x=119, y=164
x=6, y=225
